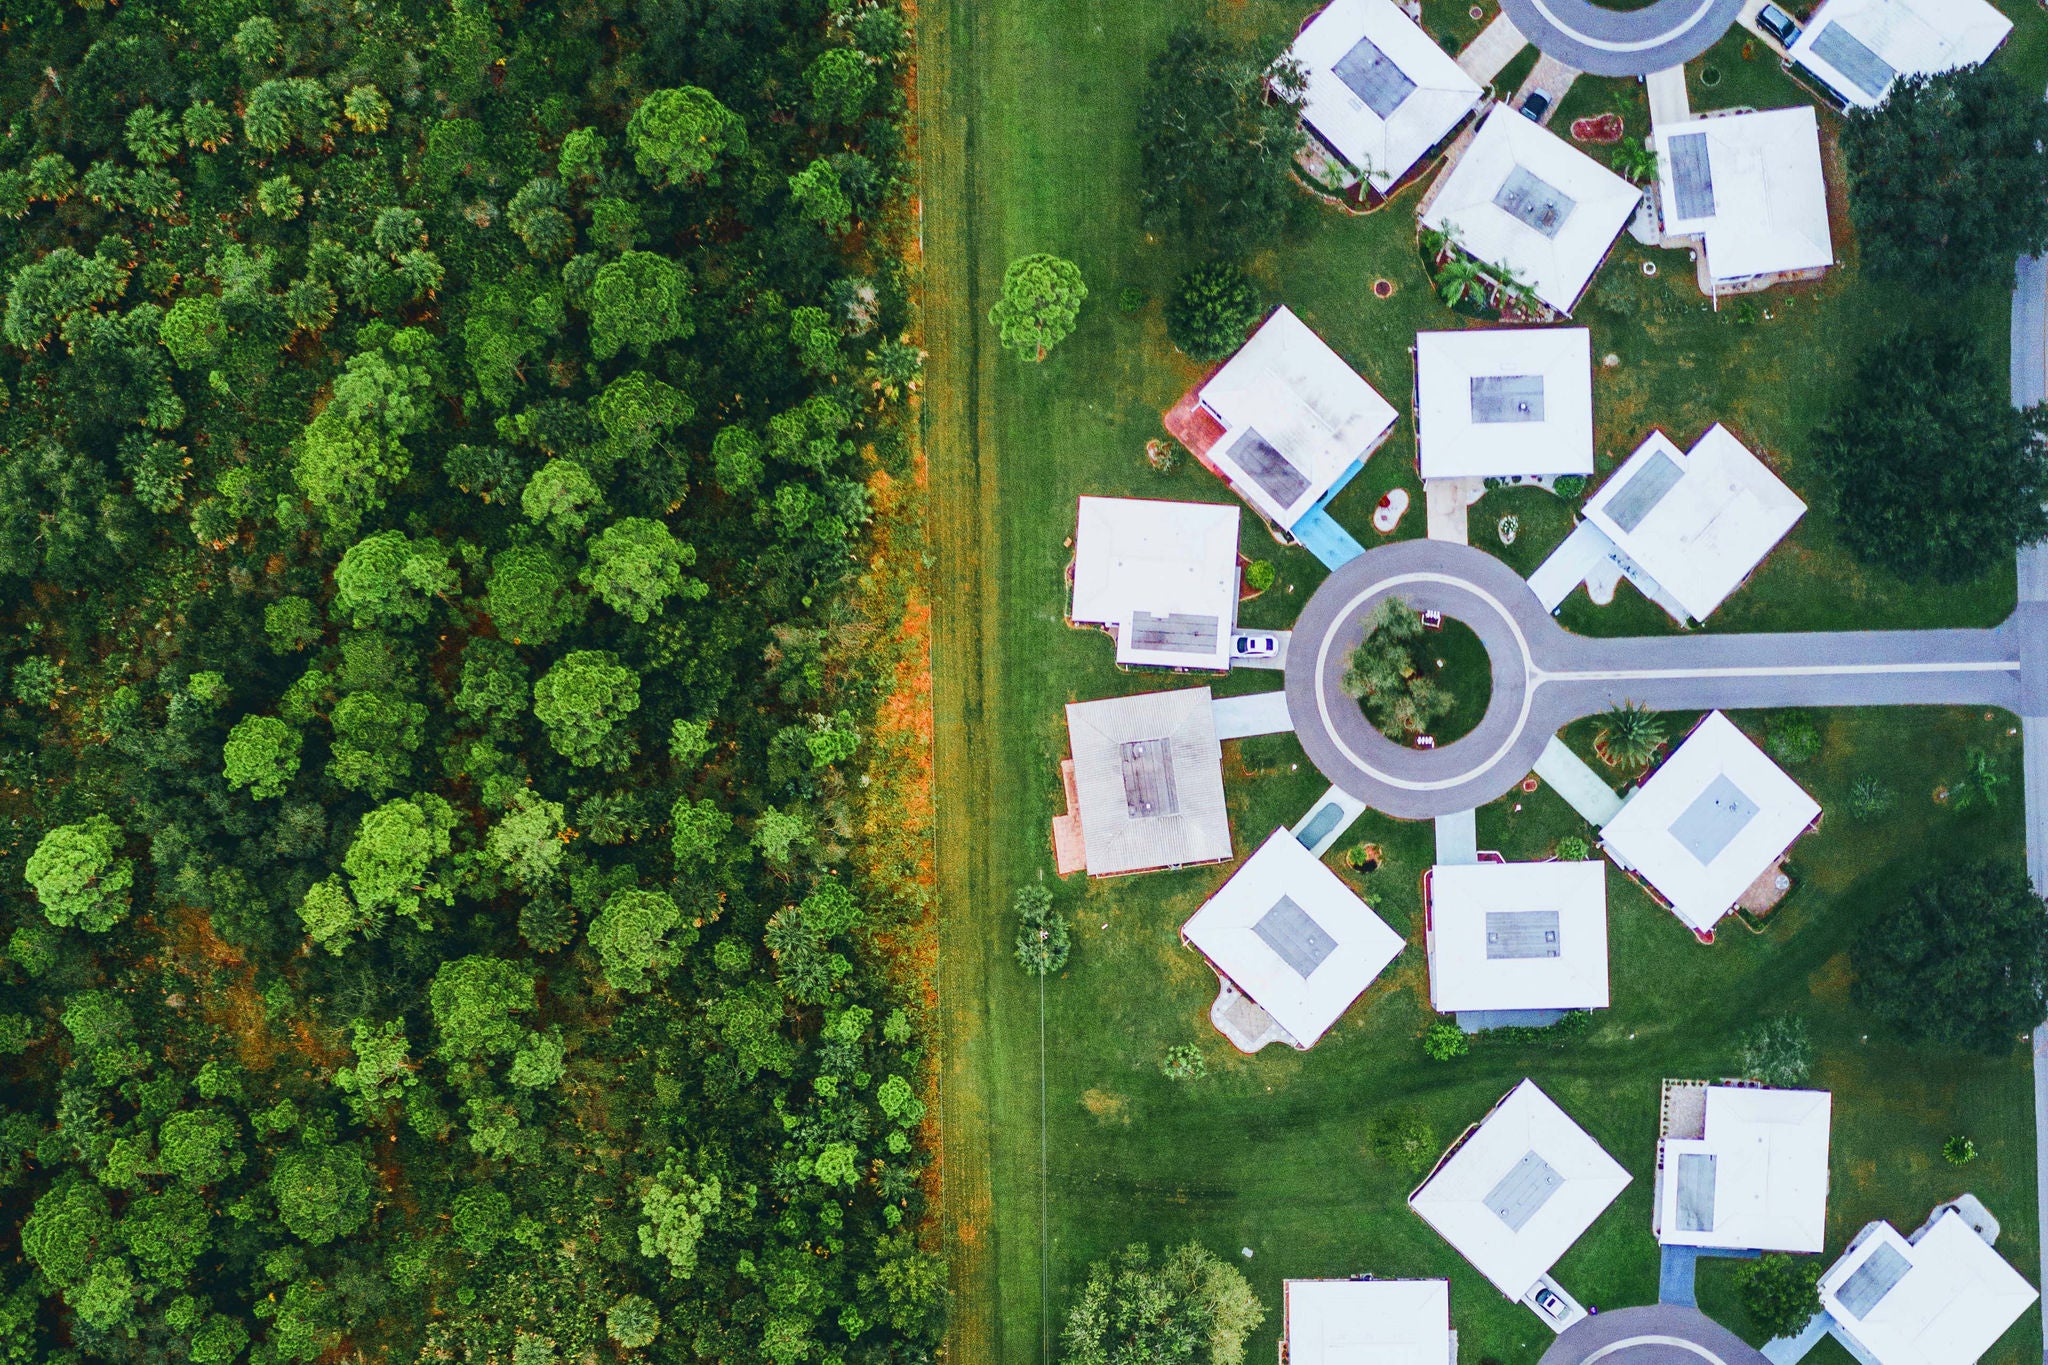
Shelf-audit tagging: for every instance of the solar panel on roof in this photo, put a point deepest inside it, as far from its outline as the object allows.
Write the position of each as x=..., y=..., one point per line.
x=1267, y=467
x=1522, y=934
x=1178, y=633
x=1871, y=1281
x=1298, y=939
x=1696, y=1192
x=1148, y=779
x=1692, y=176
x=1526, y=1187
x=1714, y=818
x=1534, y=201
x=1846, y=53
x=1507, y=398
x=1645, y=488
x=1373, y=77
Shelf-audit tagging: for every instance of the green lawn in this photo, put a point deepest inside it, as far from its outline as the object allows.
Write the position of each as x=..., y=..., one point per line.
x=1033, y=117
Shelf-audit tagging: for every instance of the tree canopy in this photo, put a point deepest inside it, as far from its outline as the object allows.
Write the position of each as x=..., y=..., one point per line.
x=1191, y=1306
x=1042, y=297
x=1963, y=963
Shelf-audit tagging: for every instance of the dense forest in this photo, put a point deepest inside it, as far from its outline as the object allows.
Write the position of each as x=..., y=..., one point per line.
x=441, y=450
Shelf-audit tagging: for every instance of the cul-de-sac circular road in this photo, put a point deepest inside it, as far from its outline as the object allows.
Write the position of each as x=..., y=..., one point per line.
x=1610, y=42
x=1545, y=677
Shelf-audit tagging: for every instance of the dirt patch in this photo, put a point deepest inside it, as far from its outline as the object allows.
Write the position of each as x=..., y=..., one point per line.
x=1107, y=1107
x=229, y=1000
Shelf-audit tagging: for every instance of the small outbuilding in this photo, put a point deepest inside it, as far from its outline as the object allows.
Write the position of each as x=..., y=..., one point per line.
x=1519, y=198
x=1384, y=1322
x=1517, y=942
x=1744, y=1169
x=1943, y=1296
x=1518, y=1189
x=1160, y=577
x=1696, y=523
x=1148, y=781
x=1292, y=423
x=1746, y=190
x=1854, y=49
x=1714, y=820
x=1501, y=402
x=1381, y=93
x=1287, y=934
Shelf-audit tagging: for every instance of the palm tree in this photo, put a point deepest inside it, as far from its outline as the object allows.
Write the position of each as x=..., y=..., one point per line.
x=1630, y=736
x=1459, y=278
x=1981, y=781
x=1635, y=162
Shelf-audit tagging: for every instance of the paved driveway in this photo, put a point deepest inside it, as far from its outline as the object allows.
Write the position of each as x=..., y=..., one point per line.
x=1545, y=677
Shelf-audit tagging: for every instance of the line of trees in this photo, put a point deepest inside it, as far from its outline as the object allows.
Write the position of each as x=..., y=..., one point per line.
x=436, y=447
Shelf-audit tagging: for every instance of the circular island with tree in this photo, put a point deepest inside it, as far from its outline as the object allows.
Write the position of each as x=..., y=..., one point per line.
x=1415, y=679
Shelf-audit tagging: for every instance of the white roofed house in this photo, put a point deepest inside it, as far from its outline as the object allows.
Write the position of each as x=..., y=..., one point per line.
x=1292, y=946
x=1521, y=199
x=1940, y=1297
x=1516, y=943
x=1504, y=402
x=1381, y=94
x=1148, y=781
x=1160, y=577
x=1746, y=190
x=1694, y=523
x=1711, y=825
x=1518, y=1189
x=1743, y=1168
x=1384, y=1322
x=1286, y=423
x=1855, y=49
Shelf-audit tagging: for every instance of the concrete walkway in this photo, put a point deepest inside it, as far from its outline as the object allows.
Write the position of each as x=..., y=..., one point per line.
x=1791, y=1350
x=1668, y=102
x=1553, y=78
x=1544, y=677
x=1447, y=503
x=1327, y=820
x=1610, y=42
x=1261, y=713
x=1493, y=49
x=1572, y=778
x=1457, y=838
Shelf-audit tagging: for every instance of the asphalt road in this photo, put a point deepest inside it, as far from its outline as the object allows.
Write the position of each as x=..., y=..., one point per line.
x=1609, y=42
x=1657, y=1334
x=1545, y=677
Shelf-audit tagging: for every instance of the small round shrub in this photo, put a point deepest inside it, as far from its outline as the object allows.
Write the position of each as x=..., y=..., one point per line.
x=1573, y=849
x=1211, y=309
x=1042, y=938
x=1445, y=1040
x=1183, y=1062
x=1569, y=486
x=1958, y=1150
x=1260, y=575
x=1131, y=298
x=1163, y=456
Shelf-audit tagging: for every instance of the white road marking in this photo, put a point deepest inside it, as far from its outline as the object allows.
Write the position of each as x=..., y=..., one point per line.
x=1630, y=1343
x=1692, y=21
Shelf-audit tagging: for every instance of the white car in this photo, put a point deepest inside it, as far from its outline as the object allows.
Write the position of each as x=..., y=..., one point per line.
x=1551, y=1305
x=1254, y=646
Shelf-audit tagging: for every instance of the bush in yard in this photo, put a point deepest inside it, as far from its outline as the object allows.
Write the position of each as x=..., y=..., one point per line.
x=1184, y=1062
x=1130, y=299
x=1212, y=308
x=1870, y=798
x=1780, y=1292
x=1630, y=736
x=1929, y=471
x=1396, y=695
x=1573, y=849
x=1963, y=963
x=1042, y=939
x=1778, y=1051
x=1792, y=736
x=1403, y=1140
x=1193, y=1307
x=1569, y=486
x=1260, y=575
x=1444, y=1040
x=1959, y=1151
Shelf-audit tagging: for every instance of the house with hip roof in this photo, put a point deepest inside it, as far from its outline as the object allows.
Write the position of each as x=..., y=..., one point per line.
x=1853, y=50
x=1381, y=94
x=1745, y=190
x=1504, y=402
x=1291, y=944
x=1516, y=943
x=1743, y=1168
x=1711, y=825
x=1522, y=201
x=1386, y=1322
x=1160, y=577
x=1518, y=1189
x=1147, y=782
x=1943, y=1296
